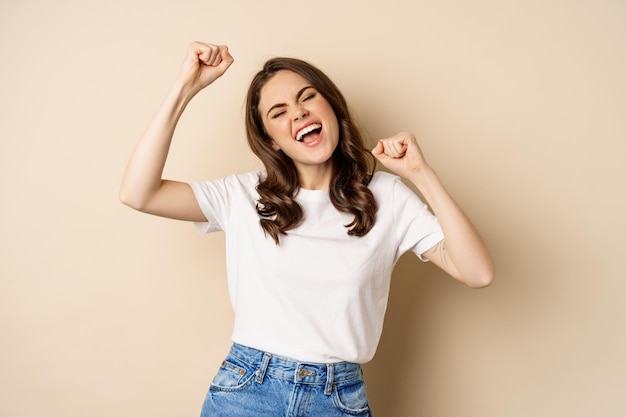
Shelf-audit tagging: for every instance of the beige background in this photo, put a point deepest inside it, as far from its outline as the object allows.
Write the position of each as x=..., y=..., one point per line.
x=519, y=105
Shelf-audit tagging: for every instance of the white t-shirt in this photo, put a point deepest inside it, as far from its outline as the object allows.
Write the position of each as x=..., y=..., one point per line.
x=320, y=295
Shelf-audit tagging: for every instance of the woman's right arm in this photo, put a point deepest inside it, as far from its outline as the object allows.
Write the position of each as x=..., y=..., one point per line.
x=143, y=187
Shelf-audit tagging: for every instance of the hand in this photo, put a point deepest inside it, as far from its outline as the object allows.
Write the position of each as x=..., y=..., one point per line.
x=400, y=154
x=203, y=64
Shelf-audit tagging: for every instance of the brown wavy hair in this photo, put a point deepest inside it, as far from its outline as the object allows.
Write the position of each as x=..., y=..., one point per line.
x=353, y=164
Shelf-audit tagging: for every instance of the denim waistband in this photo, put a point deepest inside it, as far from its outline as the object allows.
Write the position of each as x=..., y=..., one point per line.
x=296, y=371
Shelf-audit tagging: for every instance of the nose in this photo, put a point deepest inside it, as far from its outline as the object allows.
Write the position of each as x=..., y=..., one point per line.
x=300, y=112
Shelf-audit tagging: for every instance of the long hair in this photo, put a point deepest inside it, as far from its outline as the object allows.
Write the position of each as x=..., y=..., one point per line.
x=353, y=164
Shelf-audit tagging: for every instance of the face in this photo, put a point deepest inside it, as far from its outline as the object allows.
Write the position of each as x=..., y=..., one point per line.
x=299, y=120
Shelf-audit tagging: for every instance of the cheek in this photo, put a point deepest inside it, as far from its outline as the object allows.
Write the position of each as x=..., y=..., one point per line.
x=279, y=129
x=273, y=131
x=334, y=128
x=332, y=117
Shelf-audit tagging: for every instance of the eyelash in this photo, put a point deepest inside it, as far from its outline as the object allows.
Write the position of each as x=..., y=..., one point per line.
x=306, y=98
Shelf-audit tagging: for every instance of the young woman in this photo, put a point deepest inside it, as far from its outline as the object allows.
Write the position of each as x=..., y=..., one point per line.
x=311, y=242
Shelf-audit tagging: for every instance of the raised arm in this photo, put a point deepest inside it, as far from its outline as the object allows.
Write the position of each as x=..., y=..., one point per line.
x=463, y=253
x=143, y=187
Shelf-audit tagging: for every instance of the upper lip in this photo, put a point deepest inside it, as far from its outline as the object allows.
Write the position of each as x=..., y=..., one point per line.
x=305, y=129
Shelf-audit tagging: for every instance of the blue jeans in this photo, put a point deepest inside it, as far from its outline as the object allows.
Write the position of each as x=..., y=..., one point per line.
x=253, y=383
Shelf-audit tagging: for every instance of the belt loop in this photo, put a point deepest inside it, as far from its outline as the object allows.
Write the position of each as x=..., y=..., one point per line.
x=260, y=373
x=330, y=378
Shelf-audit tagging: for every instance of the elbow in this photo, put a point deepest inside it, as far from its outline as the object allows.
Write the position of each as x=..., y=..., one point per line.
x=482, y=282
x=127, y=199
x=139, y=198
x=483, y=279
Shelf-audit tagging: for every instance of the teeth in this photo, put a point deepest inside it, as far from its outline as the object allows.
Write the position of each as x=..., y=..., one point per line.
x=308, y=129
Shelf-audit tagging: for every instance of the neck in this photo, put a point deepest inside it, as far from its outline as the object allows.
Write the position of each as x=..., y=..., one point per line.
x=315, y=178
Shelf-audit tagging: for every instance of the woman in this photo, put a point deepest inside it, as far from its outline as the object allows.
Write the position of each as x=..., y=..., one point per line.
x=310, y=243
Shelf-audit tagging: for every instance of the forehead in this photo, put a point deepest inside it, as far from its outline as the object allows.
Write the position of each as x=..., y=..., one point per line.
x=282, y=87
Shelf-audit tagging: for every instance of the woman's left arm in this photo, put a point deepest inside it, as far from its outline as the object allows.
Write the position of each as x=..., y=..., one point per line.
x=462, y=254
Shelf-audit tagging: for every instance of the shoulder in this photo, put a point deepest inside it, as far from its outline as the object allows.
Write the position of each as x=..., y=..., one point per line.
x=384, y=183
x=230, y=187
x=388, y=187
x=382, y=178
x=246, y=180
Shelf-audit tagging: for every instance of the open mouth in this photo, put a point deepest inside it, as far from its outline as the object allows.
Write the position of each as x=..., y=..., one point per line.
x=309, y=131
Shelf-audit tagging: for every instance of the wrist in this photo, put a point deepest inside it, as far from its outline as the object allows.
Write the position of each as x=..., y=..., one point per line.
x=423, y=177
x=427, y=182
x=430, y=186
x=179, y=96
x=182, y=91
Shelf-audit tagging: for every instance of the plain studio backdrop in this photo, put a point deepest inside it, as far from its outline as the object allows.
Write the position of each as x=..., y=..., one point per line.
x=519, y=105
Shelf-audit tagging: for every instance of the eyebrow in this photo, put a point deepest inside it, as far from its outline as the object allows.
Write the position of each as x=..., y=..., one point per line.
x=298, y=95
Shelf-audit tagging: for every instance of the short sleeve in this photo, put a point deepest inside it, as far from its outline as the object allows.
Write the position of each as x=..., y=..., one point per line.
x=210, y=198
x=417, y=228
x=218, y=197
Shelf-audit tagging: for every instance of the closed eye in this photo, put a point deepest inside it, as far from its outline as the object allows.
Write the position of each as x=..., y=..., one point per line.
x=278, y=114
x=309, y=96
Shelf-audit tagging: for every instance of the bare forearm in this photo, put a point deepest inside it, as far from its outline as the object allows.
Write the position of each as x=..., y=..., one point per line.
x=463, y=253
x=464, y=246
x=143, y=187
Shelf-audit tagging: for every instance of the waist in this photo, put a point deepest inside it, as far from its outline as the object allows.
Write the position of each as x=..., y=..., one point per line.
x=296, y=371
